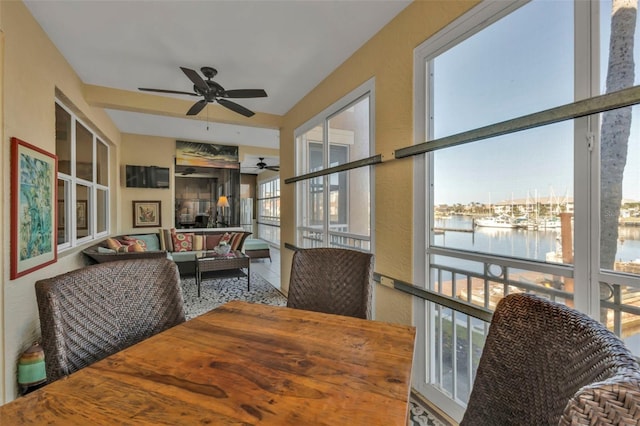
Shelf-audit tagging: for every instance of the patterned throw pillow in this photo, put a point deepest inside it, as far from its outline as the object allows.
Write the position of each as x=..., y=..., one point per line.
x=182, y=241
x=213, y=240
x=226, y=238
x=131, y=240
x=235, y=240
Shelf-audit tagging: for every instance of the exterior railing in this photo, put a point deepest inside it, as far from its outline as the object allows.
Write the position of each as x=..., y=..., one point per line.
x=456, y=339
x=338, y=237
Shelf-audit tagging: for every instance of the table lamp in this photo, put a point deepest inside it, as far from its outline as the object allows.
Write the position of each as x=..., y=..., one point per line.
x=222, y=203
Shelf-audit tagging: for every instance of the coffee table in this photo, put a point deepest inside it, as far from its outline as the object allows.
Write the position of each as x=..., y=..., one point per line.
x=208, y=261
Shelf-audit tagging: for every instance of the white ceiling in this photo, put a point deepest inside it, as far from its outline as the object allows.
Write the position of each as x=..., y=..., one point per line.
x=283, y=47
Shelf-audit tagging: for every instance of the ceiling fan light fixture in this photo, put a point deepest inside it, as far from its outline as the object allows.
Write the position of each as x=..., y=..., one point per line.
x=213, y=92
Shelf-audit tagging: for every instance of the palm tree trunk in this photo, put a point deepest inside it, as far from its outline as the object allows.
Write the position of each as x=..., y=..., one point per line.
x=616, y=127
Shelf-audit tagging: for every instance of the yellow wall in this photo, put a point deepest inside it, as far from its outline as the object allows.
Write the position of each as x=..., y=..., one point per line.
x=32, y=70
x=388, y=57
x=142, y=150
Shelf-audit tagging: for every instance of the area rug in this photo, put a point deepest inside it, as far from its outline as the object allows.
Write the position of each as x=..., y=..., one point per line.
x=218, y=291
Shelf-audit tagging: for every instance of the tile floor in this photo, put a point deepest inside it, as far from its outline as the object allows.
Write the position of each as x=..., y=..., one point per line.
x=270, y=271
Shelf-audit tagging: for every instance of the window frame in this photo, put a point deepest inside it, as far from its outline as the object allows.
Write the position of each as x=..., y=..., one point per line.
x=71, y=182
x=586, y=161
x=367, y=89
x=260, y=196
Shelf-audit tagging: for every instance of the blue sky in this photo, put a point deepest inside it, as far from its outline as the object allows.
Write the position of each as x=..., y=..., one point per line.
x=524, y=64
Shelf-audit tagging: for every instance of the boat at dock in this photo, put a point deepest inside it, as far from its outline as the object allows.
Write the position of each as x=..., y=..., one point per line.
x=496, y=222
x=552, y=222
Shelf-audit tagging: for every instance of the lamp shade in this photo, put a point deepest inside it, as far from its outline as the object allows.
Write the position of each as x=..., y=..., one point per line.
x=31, y=367
x=223, y=202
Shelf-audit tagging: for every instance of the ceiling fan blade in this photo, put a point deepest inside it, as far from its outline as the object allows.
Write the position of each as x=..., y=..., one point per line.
x=176, y=92
x=274, y=168
x=196, y=79
x=197, y=107
x=245, y=93
x=235, y=107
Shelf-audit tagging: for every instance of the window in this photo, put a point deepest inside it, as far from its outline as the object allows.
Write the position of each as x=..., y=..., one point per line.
x=269, y=210
x=335, y=210
x=519, y=212
x=83, y=181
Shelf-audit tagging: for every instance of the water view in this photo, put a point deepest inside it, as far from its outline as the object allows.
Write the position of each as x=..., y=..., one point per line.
x=518, y=242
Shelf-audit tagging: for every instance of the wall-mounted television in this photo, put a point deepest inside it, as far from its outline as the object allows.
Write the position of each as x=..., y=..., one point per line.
x=147, y=177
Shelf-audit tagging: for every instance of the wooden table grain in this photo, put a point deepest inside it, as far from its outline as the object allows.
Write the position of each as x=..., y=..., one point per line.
x=240, y=364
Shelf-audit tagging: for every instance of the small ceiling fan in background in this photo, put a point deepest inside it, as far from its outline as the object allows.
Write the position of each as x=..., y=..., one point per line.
x=261, y=165
x=212, y=92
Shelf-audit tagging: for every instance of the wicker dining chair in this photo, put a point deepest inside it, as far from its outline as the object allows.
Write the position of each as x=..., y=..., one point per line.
x=332, y=280
x=544, y=363
x=93, y=312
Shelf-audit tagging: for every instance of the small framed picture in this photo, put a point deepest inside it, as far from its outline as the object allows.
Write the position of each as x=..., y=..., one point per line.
x=146, y=214
x=81, y=214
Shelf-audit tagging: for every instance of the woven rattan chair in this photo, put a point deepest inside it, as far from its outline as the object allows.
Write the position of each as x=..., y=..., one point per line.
x=332, y=280
x=93, y=312
x=546, y=364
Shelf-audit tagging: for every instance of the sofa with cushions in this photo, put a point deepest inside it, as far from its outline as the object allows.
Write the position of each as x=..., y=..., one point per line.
x=179, y=245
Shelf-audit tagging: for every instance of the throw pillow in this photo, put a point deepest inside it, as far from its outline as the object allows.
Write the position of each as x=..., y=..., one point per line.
x=151, y=242
x=131, y=248
x=166, y=241
x=235, y=240
x=213, y=240
x=132, y=240
x=113, y=244
x=198, y=242
x=182, y=241
x=227, y=238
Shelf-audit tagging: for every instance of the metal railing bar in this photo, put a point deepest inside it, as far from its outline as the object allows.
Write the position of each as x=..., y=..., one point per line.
x=594, y=105
x=369, y=161
x=291, y=247
x=431, y=296
x=511, y=262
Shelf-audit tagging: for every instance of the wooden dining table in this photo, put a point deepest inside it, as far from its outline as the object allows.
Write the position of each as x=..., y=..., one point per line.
x=239, y=364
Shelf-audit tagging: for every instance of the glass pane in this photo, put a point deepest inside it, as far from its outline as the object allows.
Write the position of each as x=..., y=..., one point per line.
x=485, y=283
x=606, y=13
x=101, y=210
x=507, y=70
x=63, y=229
x=508, y=195
x=63, y=140
x=349, y=209
x=349, y=129
x=620, y=312
x=84, y=153
x=311, y=192
x=102, y=157
x=620, y=191
x=82, y=211
x=310, y=146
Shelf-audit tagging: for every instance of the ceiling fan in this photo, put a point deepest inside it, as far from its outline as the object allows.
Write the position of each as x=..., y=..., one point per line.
x=212, y=92
x=261, y=165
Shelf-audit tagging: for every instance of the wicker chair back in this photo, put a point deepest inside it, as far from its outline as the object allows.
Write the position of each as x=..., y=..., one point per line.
x=332, y=280
x=544, y=363
x=93, y=312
